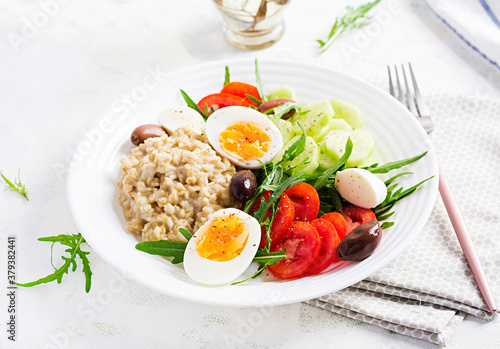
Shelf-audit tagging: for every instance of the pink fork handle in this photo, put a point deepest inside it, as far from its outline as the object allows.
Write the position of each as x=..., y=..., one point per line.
x=466, y=243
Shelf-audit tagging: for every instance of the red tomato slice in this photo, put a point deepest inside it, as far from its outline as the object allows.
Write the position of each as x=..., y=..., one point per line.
x=302, y=245
x=306, y=201
x=338, y=221
x=242, y=89
x=329, y=242
x=282, y=219
x=356, y=216
x=221, y=100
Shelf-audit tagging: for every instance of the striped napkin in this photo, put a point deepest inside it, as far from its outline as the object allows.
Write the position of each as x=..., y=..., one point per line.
x=428, y=290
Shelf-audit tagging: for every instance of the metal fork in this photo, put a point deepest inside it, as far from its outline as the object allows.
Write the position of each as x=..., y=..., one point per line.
x=420, y=111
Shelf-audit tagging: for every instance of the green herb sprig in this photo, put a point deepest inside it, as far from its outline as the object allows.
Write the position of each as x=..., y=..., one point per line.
x=16, y=185
x=354, y=18
x=73, y=242
x=166, y=248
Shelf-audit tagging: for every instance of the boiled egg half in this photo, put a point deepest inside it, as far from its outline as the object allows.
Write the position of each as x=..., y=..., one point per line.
x=243, y=135
x=360, y=187
x=222, y=248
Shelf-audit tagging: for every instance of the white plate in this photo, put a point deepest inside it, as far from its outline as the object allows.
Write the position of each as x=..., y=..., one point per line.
x=95, y=170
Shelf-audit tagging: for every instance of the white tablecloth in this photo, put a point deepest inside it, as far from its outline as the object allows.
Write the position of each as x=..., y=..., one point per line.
x=64, y=63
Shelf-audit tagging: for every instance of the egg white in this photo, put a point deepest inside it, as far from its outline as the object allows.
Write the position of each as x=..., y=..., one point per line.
x=360, y=187
x=173, y=118
x=221, y=119
x=209, y=272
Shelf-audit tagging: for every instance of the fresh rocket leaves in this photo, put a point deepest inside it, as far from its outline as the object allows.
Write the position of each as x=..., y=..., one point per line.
x=74, y=249
x=264, y=259
x=191, y=104
x=166, y=248
x=326, y=177
x=394, y=165
x=16, y=186
x=227, y=77
x=354, y=18
x=260, y=84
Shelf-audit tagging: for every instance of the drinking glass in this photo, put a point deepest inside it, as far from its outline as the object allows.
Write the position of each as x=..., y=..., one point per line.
x=252, y=24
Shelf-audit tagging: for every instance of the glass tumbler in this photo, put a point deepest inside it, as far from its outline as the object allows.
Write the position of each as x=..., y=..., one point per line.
x=252, y=24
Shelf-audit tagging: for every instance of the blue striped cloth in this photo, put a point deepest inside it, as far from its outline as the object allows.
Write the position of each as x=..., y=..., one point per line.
x=476, y=22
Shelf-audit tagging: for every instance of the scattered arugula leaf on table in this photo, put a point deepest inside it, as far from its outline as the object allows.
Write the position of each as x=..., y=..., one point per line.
x=73, y=242
x=354, y=18
x=16, y=185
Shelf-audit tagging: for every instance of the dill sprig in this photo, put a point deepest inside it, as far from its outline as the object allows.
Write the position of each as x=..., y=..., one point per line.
x=354, y=18
x=16, y=186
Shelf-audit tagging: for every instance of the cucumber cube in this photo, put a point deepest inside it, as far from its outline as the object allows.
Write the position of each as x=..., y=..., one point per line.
x=347, y=112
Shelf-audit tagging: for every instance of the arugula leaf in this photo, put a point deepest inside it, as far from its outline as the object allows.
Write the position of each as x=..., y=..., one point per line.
x=17, y=186
x=279, y=111
x=74, y=243
x=191, y=104
x=394, y=165
x=325, y=177
x=392, y=197
x=227, y=79
x=295, y=149
x=164, y=248
x=264, y=259
x=187, y=235
x=253, y=99
x=354, y=18
x=258, y=79
x=386, y=225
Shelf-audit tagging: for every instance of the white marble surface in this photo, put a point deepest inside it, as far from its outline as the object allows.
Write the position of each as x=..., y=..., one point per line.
x=65, y=63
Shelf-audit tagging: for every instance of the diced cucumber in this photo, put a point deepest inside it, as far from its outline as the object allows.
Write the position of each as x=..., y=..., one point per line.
x=325, y=160
x=362, y=141
x=313, y=118
x=334, y=124
x=286, y=129
x=339, y=124
x=282, y=92
x=347, y=112
x=311, y=151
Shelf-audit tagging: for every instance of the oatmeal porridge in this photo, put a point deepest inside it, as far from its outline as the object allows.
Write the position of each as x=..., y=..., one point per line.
x=173, y=182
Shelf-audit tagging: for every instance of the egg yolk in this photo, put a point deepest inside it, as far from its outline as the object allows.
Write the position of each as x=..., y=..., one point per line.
x=223, y=239
x=245, y=141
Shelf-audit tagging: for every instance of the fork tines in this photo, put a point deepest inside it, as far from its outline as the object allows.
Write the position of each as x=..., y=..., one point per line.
x=416, y=104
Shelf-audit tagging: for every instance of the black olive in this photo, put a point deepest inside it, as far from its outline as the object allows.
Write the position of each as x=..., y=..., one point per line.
x=243, y=185
x=141, y=133
x=361, y=242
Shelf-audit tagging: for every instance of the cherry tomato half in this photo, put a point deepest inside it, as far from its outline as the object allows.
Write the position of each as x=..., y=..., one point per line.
x=329, y=242
x=356, y=216
x=221, y=100
x=283, y=218
x=303, y=245
x=306, y=201
x=242, y=89
x=338, y=222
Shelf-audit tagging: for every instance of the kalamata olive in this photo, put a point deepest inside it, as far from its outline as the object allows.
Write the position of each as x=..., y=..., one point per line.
x=273, y=103
x=141, y=133
x=243, y=185
x=361, y=242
